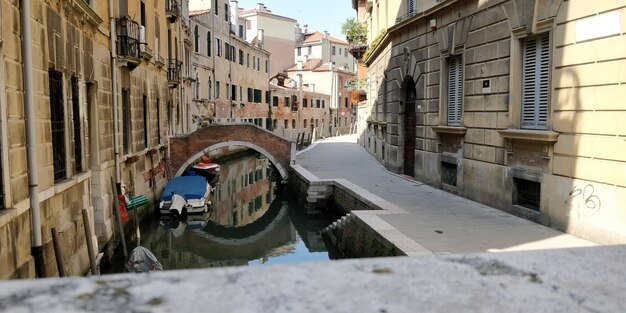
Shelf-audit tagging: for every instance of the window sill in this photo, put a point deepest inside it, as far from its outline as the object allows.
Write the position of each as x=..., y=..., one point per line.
x=455, y=130
x=530, y=135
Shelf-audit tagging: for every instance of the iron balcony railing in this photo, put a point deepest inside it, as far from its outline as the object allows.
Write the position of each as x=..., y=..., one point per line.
x=406, y=16
x=173, y=70
x=172, y=9
x=128, y=37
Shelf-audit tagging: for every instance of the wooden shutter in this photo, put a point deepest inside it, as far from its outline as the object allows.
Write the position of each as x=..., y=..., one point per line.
x=455, y=90
x=535, y=82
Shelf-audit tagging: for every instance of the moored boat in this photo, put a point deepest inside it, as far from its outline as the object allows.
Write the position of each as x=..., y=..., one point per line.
x=185, y=194
x=207, y=169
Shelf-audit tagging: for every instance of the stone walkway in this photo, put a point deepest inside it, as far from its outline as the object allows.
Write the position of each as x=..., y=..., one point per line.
x=441, y=222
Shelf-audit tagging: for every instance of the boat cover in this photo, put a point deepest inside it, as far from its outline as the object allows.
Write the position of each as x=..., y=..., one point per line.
x=141, y=260
x=190, y=187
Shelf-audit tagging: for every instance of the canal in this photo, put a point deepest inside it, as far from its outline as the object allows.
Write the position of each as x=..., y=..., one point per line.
x=251, y=222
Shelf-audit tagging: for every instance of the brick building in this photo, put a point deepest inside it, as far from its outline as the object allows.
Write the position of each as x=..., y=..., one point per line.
x=512, y=103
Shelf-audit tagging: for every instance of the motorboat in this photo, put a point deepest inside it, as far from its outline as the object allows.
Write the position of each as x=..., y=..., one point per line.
x=207, y=169
x=142, y=260
x=186, y=195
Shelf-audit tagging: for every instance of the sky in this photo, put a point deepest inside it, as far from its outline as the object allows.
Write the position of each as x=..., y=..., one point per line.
x=320, y=15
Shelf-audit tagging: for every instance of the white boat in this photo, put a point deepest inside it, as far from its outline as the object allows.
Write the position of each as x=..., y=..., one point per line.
x=185, y=195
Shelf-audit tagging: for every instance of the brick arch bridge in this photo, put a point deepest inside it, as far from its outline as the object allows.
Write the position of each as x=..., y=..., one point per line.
x=185, y=150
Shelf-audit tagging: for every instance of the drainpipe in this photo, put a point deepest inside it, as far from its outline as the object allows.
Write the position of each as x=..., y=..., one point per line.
x=31, y=141
x=116, y=131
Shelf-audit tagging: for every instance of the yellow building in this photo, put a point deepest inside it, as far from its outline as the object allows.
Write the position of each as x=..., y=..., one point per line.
x=59, y=152
x=516, y=104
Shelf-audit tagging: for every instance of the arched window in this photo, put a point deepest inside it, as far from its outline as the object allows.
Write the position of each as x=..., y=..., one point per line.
x=196, y=37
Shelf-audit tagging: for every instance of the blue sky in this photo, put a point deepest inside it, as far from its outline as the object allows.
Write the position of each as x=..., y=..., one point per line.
x=320, y=15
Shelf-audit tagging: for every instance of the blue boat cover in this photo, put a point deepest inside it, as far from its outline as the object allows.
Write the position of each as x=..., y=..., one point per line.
x=189, y=187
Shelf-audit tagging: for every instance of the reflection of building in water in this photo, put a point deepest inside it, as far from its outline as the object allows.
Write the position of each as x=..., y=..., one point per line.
x=243, y=193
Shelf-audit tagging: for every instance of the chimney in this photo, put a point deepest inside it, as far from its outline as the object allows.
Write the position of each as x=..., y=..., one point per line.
x=306, y=28
x=300, y=81
x=326, y=34
x=260, y=7
x=299, y=66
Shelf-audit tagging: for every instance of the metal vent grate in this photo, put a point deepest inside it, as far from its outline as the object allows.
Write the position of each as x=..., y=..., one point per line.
x=528, y=193
x=448, y=173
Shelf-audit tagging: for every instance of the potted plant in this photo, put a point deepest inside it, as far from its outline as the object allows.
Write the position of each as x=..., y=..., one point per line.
x=356, y=33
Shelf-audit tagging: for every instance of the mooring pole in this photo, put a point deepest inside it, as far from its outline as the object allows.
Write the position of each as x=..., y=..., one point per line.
x=88, y=235
x=58, y=254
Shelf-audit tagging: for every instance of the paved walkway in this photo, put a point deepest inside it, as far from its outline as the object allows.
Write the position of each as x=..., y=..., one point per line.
x=439, y=221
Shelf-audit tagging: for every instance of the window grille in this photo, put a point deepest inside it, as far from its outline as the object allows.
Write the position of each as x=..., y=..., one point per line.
x=125, y=121
x=78, y=141
x=57, y=126
x=527, y=193
x=448, y=173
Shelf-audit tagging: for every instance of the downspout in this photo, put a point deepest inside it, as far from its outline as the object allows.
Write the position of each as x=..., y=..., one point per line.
x=116, y=131
x=31, y=141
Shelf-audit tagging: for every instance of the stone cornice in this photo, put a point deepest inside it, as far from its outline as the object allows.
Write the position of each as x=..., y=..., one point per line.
x=455, y=130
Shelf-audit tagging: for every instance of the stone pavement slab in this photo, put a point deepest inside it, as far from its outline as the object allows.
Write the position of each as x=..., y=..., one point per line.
x=441, y=222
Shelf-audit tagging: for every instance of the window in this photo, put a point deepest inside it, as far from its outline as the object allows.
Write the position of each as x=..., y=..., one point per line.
x=527, y=193
x=345, y=102
x=448, y=173
x=240, y=93
x=258, y=96
x=248, y=24
x=294, y=103
x=339, y=51
x=226, y=12
x=287, y=102
x=323, y=104
x=146, y=119
x=317, y=103
x=455, y=90
x=78, y=143
x=240, y=31
x=217, y=90
x=240, y=57
x=304, y=123
x=275, y=101
x=208, y=44
x=345, y=52
x=293, y=123
x=233, y=54
x=250, y=95
x=333, y=49
x=268, y=96
x=274, y=124
x=227, y=91
x=196, y=37
x=226, y=51
x=142, y=13
x=57, y=125
x=267, y=66
x=216, y=6
x=305, y=102
x=210, y=89
x=248, y=60
x=411, y=7
x=233, y=92
x=158, y=116
x=218, y=47
x=286, y=124
x=316, y=123
x=125, y=121
x=310, y=50
x=535, y=82
x=299, y=51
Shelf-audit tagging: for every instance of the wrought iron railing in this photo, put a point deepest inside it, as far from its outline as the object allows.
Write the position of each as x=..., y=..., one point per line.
x=405, y=17
x=128, y=35
x=173, y=70
x=172, y=9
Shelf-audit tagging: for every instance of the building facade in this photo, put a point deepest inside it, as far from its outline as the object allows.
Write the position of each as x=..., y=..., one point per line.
x=298, y=112
x=512, y=103
x=91, y=122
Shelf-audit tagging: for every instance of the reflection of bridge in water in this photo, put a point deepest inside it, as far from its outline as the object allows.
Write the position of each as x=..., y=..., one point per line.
x=248, y=222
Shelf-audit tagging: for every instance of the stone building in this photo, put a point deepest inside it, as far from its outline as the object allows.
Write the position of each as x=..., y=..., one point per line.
x=63, y=126
x=298, y=111
x=230, y=75
x=513, y=103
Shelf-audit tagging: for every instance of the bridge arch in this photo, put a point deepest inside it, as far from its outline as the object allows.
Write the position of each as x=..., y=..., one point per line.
x=185, y=150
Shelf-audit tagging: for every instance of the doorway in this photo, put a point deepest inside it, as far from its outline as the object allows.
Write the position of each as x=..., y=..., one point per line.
x=408, y=88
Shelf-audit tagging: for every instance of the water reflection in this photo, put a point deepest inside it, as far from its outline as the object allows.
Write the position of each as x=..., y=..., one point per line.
x=249, y=224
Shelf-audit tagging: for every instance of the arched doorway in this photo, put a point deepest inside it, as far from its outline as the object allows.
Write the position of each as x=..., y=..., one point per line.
x=408, y=89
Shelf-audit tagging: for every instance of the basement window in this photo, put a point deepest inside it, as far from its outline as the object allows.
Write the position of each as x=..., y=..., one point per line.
x=448, y=173
x=527, y=193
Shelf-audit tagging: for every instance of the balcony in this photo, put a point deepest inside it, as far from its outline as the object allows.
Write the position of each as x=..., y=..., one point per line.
x=128, y=42
x=406, y=16
x=172, y=10
x=173, y=72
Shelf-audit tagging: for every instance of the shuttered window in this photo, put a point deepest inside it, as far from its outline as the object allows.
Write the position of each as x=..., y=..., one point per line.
x=535, y=82
x=455, y=90
x=411, y=8
x=57, y=124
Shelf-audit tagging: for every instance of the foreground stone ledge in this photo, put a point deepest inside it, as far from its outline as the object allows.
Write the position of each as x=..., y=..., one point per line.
x=566, y=280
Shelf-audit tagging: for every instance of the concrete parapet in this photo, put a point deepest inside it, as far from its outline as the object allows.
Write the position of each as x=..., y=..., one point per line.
x=560, y=280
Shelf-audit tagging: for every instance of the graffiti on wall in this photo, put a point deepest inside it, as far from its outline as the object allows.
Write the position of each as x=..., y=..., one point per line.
x=584, y=201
